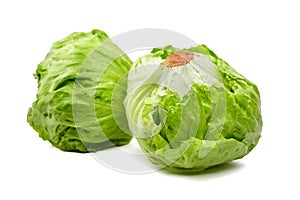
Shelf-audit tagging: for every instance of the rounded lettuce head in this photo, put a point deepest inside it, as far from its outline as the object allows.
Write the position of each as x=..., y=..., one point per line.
x=189, y=110
x=79, y=103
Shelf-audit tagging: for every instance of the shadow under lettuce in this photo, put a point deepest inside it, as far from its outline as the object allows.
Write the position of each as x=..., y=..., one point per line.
x=212, y=172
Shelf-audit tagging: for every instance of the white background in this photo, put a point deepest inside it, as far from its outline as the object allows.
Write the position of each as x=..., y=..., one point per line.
x=258, y=38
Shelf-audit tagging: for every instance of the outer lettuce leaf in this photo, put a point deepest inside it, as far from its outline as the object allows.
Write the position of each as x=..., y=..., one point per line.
x=212, y=117
x=195, y=155
x=76, y=82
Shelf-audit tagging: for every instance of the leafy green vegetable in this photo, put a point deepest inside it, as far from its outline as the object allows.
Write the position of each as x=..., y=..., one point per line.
x=81, y=87
x=189, y=110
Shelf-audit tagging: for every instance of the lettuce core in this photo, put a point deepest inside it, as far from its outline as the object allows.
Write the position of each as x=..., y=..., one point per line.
x=178, y=58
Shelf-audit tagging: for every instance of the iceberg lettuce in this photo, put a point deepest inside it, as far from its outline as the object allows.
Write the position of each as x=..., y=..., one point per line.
x=79, y=103
x=189, y=110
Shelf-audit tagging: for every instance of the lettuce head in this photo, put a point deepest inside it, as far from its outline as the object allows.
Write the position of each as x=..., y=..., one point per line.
x=189, y=110
x=79, y=102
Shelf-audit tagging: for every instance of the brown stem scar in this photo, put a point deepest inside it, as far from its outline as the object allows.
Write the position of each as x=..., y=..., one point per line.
x=178, y=58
